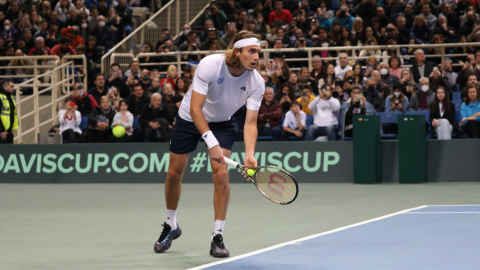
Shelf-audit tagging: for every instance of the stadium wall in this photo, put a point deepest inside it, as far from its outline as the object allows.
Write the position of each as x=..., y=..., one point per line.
x=322, y=162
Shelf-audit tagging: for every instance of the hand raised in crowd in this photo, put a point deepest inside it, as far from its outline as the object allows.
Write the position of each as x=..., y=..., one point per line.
x=305, y=99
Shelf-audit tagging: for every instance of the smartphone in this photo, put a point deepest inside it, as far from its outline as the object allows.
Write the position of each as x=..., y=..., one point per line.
x=79, y=87
x=447, y=59
x=467, y=61
x=304, y=94
x=339, y=83
x=370, y=67
x=285, y=94
x=110, y=90
x=435, y=68
x=115, y=71
x=72, y=104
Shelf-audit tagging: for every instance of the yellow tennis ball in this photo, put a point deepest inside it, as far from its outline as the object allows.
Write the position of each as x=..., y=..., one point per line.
x=119, y=131
x=251, y=172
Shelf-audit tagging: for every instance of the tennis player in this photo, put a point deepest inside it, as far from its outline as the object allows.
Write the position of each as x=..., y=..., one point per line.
x=221, y=85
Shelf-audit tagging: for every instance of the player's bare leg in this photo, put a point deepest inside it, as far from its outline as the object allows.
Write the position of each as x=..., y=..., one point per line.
x=221, y=198
x=173, y=189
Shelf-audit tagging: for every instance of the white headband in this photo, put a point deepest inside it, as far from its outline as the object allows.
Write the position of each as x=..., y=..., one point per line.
x=246, y=42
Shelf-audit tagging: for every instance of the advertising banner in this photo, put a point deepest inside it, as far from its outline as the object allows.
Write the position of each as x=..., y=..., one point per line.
x=148, y=162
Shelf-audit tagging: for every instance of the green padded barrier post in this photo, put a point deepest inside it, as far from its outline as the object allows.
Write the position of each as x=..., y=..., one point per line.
x=412, y=149
x=367, y=149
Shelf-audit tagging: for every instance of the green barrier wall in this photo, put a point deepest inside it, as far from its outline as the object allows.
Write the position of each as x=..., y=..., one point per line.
x=412, y=149
x=367, y=149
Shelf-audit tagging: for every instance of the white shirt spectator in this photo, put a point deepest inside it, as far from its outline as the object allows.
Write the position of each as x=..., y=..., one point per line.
x=325, y=112
x=69, y=123
x=291, y=121
x=340, y=72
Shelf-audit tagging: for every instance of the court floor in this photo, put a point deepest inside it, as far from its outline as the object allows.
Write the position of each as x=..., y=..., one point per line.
x=114, y=226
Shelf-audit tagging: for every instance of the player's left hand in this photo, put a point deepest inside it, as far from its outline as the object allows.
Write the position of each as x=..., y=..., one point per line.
x=249, y=161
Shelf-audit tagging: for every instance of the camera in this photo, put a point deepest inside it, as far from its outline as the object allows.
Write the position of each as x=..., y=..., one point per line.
x=389, y=30
x=301, y=41
x=304, y=94
x=350, y=80
x=324, y=88
x=285, y=94
x=194, y=47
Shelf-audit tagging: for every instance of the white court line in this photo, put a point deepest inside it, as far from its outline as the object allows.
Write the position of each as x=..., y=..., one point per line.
x=303, y=239
x=443, y=213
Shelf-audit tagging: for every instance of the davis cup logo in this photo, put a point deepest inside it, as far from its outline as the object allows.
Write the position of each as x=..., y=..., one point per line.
x=220, y=80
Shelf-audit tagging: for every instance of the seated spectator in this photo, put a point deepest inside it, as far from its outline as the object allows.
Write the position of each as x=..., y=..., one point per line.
x=293, y=80
x=20, y=43
x=183, y=36
x=191, y=44
x=339, y=90
x=280, y=13
x=163, y=38
x=133, y=69
x=155, y=87
x=442, y=115
x=125, y=119
x=84, y=101
x=305, y=99
x=147, y=48
x=397, y=101
x=318, y=70
x=156, y=120
x=104, y=35
x=422, y=100
x=278, y=44
x=92, y=51
x=13, y=12
x=343, y=67
x=386, y=77
x=73, y=33
x=92, y=20
x=62, y=8
x=69, y=120
x=73, y=17
x=53, y=18
x=285, y=96
x=294, y=123
x=181, y=87
x=469, y=73
x=382, y=88
x=9, y=32
x=395, y=64
x=166, y=48
x=325, y=111
x=448, y=74
x=357, y=104
x=39, y=47
x=444, y=30
x=125, y=11
x=420, y=30
x=358, y=75
x=64, y=48
x=372, y=65
x=43, y=30
x=168, y=101
x=137, y=100
x=436, y=80
x=114, y=97
x=429, y=17
x=471, y=112
x=266, y=79
x=100, y=121
x=421, y=68
x=98, y=90
x=53, y=36
x=269, y=116
x=29, y=40
x=408, y=85
x=370, y=52
x=329, y=76
x=145, y=82
x=304, y=79
x=171, y=76
x=24, y=70
x=116, y=76
x=127, y=88
x=216, y=15
x=373, y=97
x=346, y=20
x=212, y=36
x=45, y=9
x=45, y=65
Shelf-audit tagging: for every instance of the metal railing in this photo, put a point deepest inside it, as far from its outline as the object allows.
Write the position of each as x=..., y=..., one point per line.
x=126, y=58
x=172, y=16
x=57, y=81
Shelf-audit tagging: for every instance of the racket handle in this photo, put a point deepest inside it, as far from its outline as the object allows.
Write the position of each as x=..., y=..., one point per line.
x=230, y=162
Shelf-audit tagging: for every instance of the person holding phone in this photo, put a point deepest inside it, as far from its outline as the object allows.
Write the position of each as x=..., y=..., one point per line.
x=285, y=96
x=84, y=101
x=69, y=120
x=357, y=104
x=306, y=98
x=397, y=101
x=325, y=121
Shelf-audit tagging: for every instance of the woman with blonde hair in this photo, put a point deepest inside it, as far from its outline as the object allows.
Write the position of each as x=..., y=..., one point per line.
x=357, y=28
x=409, y=87
x=420, y=30
x=372, y=64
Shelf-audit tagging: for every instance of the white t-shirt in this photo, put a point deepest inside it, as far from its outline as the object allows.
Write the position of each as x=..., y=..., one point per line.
x=291, y=121
x=225, y=93
x=339, y=72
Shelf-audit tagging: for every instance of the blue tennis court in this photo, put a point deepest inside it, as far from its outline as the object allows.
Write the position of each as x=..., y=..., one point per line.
x=426, y=237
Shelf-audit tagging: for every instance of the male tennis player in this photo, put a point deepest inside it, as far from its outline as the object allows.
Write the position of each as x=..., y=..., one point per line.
x=221, y=85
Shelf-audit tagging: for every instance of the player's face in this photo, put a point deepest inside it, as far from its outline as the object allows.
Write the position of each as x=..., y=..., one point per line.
x=249, y=57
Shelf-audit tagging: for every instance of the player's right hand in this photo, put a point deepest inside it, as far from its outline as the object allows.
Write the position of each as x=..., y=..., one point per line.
x=216, y=154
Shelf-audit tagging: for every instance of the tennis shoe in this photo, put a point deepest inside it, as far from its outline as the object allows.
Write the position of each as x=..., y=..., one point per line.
x=217, y=247
x=166, y=238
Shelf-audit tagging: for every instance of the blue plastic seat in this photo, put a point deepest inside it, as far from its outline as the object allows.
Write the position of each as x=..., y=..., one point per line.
x=84, y=123
x=457, y=96
x=389, y=118
x=136, y=124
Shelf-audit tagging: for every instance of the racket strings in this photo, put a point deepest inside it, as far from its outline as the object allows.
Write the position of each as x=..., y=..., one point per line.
x=276, y=184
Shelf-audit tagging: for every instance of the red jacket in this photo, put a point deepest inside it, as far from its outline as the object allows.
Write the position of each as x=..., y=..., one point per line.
x=75, y=42
x=285, y=16
x=34, y=51
x=57, y=51
x=269, y=113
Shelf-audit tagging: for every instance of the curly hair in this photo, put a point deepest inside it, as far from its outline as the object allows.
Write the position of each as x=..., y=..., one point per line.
x=231, y=58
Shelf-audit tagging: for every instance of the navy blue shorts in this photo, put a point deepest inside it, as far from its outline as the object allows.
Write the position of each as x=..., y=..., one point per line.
x=185, y=135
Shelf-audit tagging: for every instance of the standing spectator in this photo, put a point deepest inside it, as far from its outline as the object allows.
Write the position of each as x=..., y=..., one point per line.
x=325, y=110
x=397, y=101
x=8, y=109
x=125, y=119
x=137, y=100
x=442, y=115
x=69, y=120
x=269, y=116
x=85, y=102
x=356, y=105
x=280, y=13
x=343, y=67
x=216, y=15
x=421, y=68
x=98, y=90
x=471, y=112
x=155, y=120
x=64, y=48
x=116, y=76
x=422, y=100
x=305, y=99
x=294, y=123
x=100, y=121
x=105, y=36
x=125, y=11
x=73, y=33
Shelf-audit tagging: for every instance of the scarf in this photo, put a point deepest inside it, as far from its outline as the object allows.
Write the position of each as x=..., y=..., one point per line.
x=106, y=112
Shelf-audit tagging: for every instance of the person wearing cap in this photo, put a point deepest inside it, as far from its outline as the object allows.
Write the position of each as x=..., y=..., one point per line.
x=212, y=36
x=222, y=84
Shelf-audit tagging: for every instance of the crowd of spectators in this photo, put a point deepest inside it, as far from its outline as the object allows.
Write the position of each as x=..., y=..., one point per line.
x=333, y=90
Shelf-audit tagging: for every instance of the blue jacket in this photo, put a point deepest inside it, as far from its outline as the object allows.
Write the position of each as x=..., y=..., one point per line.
x=421, y=35
x=346, y=22
x=388, y=105
x=324, y=22
x=369, y=110
x=470, y=109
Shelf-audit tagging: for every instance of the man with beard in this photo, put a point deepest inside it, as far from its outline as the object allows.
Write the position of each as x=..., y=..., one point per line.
x=212, y=36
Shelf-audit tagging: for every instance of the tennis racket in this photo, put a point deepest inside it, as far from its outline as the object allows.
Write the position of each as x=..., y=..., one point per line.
x=275, y=183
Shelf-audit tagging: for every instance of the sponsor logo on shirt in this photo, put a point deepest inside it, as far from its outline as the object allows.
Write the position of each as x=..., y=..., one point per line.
x=203, y=80
x=220, y=80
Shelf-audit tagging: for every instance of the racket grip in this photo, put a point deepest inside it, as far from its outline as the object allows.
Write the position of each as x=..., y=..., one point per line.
x=230, y=162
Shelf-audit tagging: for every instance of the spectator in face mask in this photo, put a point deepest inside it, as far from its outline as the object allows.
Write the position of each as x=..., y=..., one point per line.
x=386, y=77
x=397, y=101
x=373, y=97
x=422, y=100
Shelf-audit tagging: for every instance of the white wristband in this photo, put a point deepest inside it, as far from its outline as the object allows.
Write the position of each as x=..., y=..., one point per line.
x=210, y=139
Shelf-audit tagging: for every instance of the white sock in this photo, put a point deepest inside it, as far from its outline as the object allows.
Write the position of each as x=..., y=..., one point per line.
x=219, y=225
x=172, y=218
